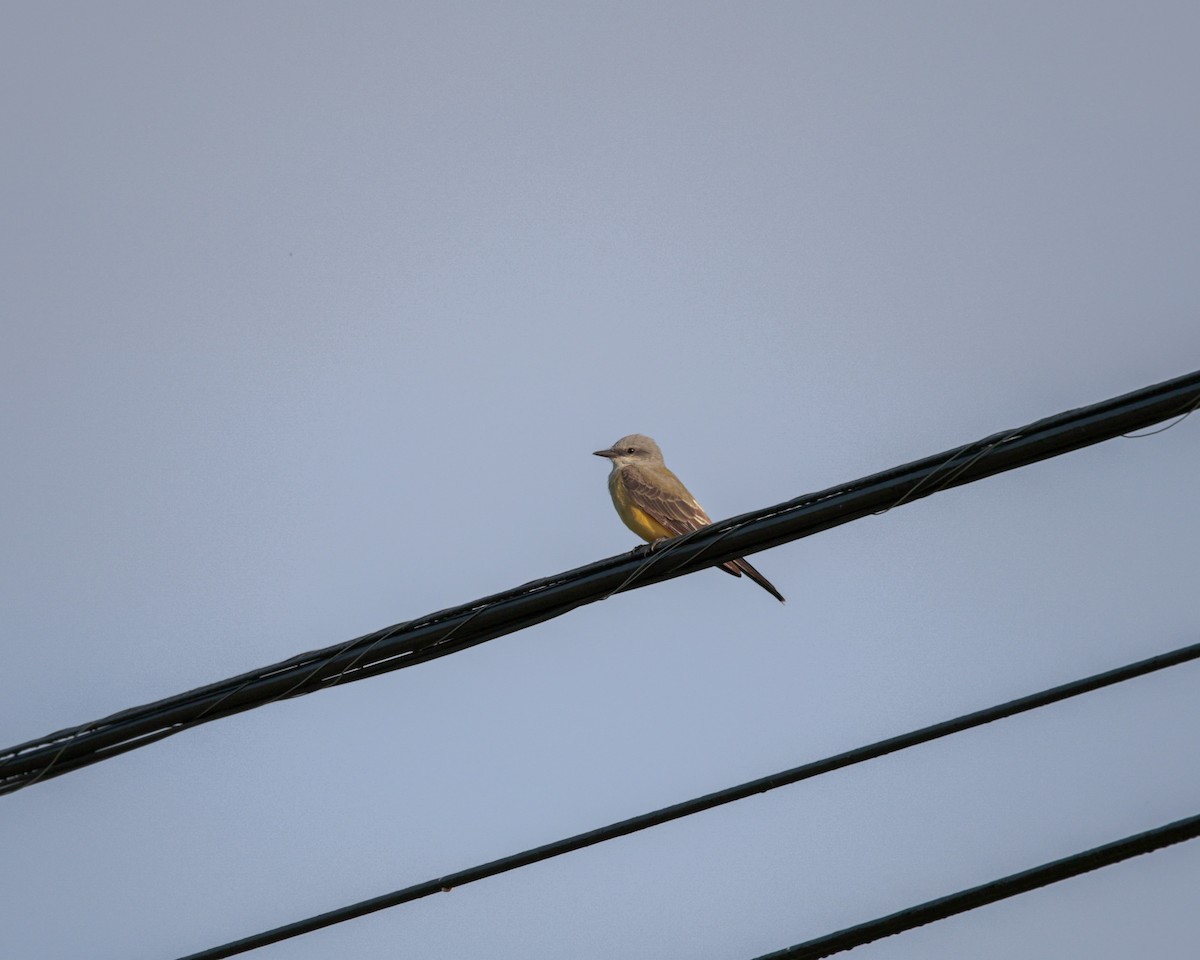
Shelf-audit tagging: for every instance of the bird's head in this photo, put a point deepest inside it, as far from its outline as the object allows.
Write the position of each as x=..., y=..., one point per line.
x=635, y=448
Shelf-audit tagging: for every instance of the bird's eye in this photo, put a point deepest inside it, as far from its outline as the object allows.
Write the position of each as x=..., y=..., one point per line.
x=629, y=449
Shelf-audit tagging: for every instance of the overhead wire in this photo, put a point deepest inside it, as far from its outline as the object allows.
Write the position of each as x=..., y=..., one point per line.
x=708, y=801
x=461, y=627
x=1072, y=866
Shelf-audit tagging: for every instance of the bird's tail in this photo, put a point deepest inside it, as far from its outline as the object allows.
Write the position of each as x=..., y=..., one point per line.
x=738, y=567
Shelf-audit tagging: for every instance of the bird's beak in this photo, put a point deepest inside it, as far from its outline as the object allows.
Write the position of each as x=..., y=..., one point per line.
x=604, y=453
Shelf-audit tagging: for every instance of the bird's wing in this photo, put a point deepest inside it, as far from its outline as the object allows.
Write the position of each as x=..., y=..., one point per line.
x=661, y=494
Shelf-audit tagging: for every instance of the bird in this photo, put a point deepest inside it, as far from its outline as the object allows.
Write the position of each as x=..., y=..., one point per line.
x=655, y=504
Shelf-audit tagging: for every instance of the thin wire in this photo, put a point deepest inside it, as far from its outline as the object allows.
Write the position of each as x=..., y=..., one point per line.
x=707, y=802
x=653, y=553
x=952, y=474
x=1189, y=408
x=1183, y=416
x=975, y=897
x=659, y=550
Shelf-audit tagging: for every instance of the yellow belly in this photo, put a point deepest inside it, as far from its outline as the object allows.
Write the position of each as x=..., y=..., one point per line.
x=634, y=517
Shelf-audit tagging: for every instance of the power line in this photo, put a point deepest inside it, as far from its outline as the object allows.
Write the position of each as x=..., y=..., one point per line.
x=458, y=628
x=1010, y=886
x=707, y=802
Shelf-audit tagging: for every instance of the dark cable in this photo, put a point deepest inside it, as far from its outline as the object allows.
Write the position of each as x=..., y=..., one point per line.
x=464, y=626
x=1010, y=886
x=707, y=802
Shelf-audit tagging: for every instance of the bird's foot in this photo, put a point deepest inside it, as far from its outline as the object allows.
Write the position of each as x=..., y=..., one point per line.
x=645, y=549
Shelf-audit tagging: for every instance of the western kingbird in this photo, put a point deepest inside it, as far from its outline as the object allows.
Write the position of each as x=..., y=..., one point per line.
x=655, y=504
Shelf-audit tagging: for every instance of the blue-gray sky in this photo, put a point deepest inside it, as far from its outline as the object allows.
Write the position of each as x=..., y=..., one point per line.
x=312, y=316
